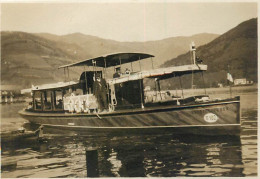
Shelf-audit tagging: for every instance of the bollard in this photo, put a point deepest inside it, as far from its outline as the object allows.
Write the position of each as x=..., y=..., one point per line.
x=39, y=134
x=92, y=162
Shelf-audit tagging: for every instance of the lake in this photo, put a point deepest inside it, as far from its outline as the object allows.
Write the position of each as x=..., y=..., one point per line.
x=154, y=155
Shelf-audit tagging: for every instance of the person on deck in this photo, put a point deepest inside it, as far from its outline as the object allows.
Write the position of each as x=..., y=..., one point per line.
x=100, y=91
x=117, y=73
x=127, y=71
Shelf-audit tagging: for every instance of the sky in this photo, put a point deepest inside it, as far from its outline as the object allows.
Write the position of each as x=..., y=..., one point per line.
x=131, y=21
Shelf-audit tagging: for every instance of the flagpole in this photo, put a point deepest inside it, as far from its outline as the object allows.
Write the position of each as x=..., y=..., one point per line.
x=230, y=90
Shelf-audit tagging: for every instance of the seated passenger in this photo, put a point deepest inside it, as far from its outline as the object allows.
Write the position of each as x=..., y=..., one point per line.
x=127, y=71
x=117, y=73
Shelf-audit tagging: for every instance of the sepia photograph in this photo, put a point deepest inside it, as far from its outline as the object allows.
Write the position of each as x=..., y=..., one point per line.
x=132, y=88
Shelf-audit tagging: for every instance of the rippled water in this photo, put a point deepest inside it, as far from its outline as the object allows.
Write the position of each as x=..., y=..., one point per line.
x=132, y=155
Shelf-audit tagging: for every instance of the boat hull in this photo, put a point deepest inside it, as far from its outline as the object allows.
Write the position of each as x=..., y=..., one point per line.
x=212, y=118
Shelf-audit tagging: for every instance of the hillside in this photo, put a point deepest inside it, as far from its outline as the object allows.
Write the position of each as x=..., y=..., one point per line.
x=28, y=59
x=33, y=58
x=236, y=48
x=163, y=50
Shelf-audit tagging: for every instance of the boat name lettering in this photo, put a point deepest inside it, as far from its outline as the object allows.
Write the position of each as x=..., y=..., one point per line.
x=203, y=111
x=210, y=117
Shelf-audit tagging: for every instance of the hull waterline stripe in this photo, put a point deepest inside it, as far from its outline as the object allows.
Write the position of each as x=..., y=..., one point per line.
x=186, y=126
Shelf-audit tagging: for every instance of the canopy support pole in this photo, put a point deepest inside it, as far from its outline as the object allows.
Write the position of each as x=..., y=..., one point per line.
x=33, y=102
x=132, y=66
x=105, y=67
x=42, y=101
x=152, y=62
x=65, y=74
x=140, y=83
x=159, y=88
x=94, y=70
x=105, y=60
x=181, y=87
x=86, y=79
x=140, y=63
x=120, y=63
x=204, y=83
x=68, y=74
x=156, y=88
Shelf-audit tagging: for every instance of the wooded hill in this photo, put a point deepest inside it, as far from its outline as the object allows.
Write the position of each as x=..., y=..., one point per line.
x=236, y=48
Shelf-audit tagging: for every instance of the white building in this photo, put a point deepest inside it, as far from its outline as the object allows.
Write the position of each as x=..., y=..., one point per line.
x=241, y=81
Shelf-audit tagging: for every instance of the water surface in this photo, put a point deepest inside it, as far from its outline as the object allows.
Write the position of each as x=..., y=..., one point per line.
x=156, y=155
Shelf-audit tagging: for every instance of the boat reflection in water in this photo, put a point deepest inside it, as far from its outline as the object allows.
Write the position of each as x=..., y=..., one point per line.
x=156, y=155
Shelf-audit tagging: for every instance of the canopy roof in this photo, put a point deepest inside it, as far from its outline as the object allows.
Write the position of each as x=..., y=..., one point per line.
x=161, y=73
x=111, y=60
x=53, y=86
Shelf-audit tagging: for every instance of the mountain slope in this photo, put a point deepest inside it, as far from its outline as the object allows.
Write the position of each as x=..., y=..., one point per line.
x=28, y=59
x=163, y=50
x=236, y=48
x=33, y=58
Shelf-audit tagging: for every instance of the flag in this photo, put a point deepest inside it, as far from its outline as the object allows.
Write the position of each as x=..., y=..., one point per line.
x=229, y=77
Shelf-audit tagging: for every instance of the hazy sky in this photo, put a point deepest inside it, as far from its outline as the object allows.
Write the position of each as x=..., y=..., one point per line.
x=126, y=21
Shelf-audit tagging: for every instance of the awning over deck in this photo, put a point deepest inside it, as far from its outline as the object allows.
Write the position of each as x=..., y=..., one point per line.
x=161, y=73
x=110, y=60
x=53, y=86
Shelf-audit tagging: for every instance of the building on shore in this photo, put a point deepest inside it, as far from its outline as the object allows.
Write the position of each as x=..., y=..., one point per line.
x=9, y=93
x=242, y=81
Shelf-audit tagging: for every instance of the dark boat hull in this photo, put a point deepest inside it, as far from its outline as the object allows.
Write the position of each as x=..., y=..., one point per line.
x=212, y=118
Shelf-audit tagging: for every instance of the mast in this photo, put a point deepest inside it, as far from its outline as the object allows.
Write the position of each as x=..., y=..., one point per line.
x=193, y=52
x=193, y=58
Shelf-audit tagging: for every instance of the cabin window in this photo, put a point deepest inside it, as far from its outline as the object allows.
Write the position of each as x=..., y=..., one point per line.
x=38, y=100
x=129, y=93
x=47, y=100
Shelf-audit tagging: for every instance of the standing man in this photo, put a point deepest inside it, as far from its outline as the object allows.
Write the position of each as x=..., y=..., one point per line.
x=100, y=91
